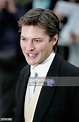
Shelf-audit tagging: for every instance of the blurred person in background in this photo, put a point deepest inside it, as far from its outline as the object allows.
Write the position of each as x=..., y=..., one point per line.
x=11, y=57
x=69, y=36
x=64, y=10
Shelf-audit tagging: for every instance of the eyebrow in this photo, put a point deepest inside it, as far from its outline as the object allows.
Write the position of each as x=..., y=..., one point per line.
x=33, y=38
x=22, y=36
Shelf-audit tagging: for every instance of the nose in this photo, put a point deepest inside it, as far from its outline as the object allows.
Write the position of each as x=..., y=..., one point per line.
x=30, y=46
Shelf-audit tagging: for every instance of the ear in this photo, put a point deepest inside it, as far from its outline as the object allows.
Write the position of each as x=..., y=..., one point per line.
x=55, y=39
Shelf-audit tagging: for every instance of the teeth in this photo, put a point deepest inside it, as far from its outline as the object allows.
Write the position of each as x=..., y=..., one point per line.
x=31, y=54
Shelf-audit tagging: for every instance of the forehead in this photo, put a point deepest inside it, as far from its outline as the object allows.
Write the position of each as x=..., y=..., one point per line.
x=32, y=31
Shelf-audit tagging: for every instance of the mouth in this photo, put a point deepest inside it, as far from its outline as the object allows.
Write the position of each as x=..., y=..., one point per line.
x=32, y=55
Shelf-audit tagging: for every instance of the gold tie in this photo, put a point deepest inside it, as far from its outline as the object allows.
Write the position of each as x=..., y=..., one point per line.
x=32, y=84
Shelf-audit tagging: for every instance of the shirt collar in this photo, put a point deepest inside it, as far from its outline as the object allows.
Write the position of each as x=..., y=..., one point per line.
x=43, y=68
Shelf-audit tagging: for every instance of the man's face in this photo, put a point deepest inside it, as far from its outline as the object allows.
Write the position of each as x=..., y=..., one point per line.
x=35, y=44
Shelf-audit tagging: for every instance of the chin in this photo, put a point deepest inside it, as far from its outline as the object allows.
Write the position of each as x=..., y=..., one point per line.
x=30, y=63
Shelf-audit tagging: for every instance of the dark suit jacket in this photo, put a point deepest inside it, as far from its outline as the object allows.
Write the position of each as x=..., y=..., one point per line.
x=57, y=103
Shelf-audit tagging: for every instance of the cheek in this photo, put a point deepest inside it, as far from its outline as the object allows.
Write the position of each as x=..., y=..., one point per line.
x=46, y=48
x=22, y=45
x=41, y=48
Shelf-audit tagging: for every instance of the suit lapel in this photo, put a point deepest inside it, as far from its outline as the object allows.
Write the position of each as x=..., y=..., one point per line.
x=47, y=92
x=26, y=74
x=22, y=91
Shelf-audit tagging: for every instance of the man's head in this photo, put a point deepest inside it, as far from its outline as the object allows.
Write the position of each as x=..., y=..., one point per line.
x=41, y=26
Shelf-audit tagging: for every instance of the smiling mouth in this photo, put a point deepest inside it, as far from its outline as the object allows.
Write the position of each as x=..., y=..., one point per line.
x=30, y=55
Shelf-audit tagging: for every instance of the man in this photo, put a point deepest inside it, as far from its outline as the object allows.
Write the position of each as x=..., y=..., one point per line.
x=53, y=100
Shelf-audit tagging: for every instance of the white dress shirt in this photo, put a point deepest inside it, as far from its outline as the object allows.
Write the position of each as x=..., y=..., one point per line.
x=42, y=69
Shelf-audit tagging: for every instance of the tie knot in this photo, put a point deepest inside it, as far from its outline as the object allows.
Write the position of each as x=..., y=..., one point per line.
x=33, y=73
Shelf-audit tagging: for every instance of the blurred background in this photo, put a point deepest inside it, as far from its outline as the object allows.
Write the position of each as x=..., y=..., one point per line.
x=11, y=57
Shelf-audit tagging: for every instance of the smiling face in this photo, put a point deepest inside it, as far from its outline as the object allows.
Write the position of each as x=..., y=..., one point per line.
x=35, y=44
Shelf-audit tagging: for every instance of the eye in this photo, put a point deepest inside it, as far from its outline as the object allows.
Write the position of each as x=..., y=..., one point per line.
x=38, y=40
x=23, y=38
